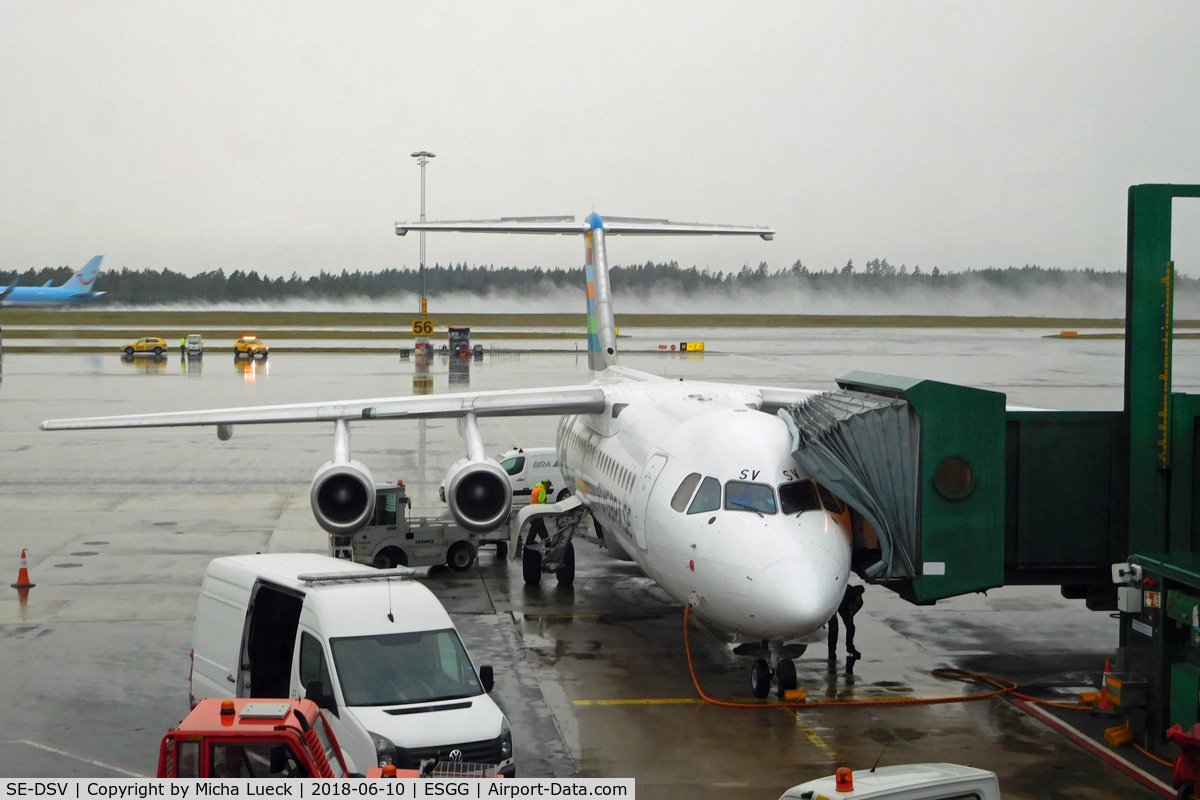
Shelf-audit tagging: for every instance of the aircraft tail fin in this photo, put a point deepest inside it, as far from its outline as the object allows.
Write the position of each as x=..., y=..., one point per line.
x=84, y=280
x=602, y=333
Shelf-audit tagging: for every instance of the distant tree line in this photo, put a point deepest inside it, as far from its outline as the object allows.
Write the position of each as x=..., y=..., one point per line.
x=147, y=287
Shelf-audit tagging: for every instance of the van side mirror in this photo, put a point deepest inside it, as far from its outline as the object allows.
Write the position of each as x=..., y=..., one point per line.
x=486, y=677
x=315, y=690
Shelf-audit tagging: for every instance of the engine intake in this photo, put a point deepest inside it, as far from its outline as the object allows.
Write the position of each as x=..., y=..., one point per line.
x=343, y=497
x=478, y=493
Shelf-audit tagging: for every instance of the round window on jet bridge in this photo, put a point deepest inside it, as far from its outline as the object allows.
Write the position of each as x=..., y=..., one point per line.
x=954, y=478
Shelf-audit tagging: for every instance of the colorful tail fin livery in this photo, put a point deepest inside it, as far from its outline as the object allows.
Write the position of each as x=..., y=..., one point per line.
x=79, y=288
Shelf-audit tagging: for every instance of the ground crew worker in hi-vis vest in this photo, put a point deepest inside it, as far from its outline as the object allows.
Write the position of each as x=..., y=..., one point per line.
x=540, y=492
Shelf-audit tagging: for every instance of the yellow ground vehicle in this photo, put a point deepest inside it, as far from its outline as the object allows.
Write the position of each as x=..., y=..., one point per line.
x=250, y=347
x=146, y=345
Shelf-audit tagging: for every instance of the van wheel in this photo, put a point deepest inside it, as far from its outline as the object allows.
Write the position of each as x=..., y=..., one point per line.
x=566, y=571
x=531, y=566
x=461, y=556
x=562, y=495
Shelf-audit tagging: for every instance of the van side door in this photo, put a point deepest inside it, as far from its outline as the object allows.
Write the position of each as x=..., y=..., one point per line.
x=268, y=640
x=314, y=679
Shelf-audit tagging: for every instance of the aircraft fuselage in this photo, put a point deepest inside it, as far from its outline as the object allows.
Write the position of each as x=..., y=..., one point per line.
x=685, y=478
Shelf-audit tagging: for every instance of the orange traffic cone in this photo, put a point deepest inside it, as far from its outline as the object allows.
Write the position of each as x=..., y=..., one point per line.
x=23, y=584
x=1105, y=707
x=23, y=581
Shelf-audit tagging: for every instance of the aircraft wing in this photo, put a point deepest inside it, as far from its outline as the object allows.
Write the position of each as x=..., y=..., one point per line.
x=498, y=403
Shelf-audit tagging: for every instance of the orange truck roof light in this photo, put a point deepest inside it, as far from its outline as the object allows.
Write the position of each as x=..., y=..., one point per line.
x=844, y=779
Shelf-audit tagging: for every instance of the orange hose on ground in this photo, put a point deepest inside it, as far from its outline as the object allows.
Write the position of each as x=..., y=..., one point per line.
x=1002, y=687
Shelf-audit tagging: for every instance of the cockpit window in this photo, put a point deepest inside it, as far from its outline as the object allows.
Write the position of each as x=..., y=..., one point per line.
x=797, y=497
x=513, y=465
x=684, y=492
x=708, y=498
x=743, y=496
x=831, y=501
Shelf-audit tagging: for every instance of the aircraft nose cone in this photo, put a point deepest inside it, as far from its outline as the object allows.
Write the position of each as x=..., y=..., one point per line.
x=798, y=595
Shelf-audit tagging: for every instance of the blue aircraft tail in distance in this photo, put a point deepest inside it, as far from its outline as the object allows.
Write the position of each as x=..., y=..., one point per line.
x=79, y=288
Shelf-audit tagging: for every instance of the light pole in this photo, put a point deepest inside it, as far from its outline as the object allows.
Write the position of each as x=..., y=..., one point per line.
x=422, y=157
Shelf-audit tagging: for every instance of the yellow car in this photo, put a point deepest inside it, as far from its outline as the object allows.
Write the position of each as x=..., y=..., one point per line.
x=250, y=347
x=146, y=345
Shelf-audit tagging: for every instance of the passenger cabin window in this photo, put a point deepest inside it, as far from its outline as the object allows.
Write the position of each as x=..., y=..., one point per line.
x=798, y=497
x=684, y=492
x=708, y=498
x=513, y=465
x=831, y=501
x=744, y=496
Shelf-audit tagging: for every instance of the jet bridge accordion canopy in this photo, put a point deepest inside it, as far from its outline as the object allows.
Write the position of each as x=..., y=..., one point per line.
x=923, y=463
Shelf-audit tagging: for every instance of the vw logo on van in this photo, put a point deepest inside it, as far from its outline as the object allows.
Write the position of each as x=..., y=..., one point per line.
x=455, y=756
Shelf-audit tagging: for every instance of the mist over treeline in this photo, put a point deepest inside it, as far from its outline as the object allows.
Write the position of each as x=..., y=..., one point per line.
x=874, y=287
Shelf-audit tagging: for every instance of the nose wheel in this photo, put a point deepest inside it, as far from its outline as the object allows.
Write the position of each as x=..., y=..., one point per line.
x=762, y=677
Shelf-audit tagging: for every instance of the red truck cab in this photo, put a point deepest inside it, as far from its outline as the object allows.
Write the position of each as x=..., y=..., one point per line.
x=252, y=738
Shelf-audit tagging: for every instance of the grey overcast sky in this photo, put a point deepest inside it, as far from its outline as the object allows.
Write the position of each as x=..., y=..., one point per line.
x=276, y=135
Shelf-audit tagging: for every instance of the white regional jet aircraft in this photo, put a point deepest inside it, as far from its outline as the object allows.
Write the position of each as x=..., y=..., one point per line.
x=695, y=481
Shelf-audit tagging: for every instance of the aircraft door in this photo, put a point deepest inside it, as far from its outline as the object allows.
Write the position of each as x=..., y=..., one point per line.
x=638, y=516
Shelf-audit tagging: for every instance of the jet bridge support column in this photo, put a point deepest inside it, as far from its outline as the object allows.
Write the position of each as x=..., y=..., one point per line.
x=1160, y=595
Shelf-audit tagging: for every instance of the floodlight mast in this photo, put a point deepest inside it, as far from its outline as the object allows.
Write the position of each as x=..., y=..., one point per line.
x=422, y=157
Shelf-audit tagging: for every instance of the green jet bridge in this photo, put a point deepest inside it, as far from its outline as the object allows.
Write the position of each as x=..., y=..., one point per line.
x=953, y=493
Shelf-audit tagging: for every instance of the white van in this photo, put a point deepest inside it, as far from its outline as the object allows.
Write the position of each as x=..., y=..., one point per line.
x=377, y=651
x=529, y=466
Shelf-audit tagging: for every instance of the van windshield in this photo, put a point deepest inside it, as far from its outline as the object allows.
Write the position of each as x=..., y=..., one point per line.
x=396, y=668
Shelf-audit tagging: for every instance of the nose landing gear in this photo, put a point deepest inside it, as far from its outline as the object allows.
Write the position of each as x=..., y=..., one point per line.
x=782, y=674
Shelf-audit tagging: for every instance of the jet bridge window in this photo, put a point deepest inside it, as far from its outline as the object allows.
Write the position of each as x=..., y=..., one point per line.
x=744, y=496
x=684, y=492
x=708, y=498
x=797, y=497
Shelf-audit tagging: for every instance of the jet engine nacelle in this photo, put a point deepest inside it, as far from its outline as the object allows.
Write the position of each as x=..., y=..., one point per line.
x=343, y=497
x=478, y=493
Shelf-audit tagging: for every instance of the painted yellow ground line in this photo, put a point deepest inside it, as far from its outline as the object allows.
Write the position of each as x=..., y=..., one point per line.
x=815, y=738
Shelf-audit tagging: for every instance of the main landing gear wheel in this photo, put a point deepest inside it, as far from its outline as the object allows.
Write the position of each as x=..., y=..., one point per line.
x=760, y=678
x=531, y=566
x=566, y=571
x=785, y=675
x=461, y=556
